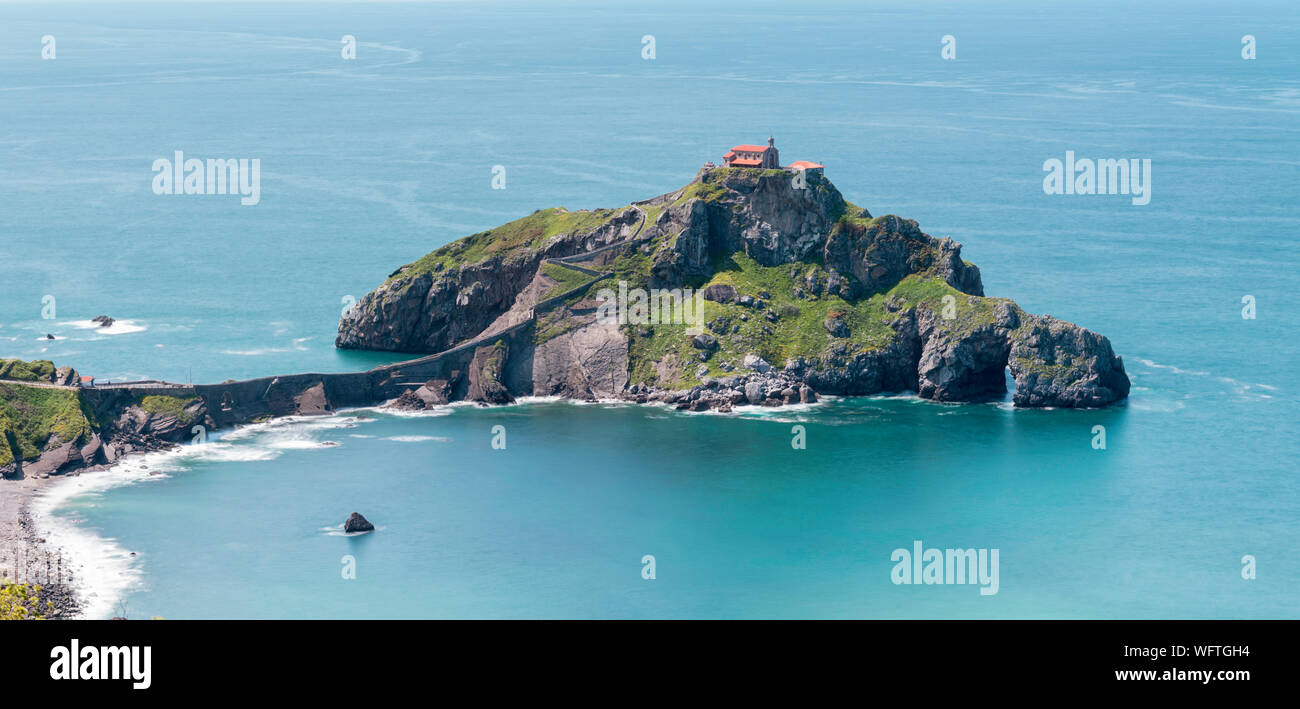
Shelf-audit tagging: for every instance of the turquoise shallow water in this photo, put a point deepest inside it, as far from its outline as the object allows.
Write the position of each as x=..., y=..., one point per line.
x=370, y=164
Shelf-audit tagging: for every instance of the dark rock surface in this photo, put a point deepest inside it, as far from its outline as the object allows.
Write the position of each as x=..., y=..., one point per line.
x=357, y=523
x=1056, y=363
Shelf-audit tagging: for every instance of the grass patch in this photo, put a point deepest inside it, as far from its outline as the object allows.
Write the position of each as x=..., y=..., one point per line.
x=799, y=330
x=30, y=417
x=530, y=232
x=800, y=327
x=565, y=278
x=169, y=406
x=969, y=313
x=40, y=370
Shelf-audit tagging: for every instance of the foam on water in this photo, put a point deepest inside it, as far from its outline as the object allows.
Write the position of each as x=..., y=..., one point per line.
x=119, y=327
x=104, y=571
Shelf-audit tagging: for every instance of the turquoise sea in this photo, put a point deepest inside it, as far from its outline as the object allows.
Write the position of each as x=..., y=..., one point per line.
x=367, y=164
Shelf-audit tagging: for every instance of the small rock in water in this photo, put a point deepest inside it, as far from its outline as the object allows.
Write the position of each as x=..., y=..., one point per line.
x=357, y=523
x=48, y=336
x=103, y=320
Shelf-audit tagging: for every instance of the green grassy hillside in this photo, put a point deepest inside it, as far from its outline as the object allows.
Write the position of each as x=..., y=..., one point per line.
x=32, y=417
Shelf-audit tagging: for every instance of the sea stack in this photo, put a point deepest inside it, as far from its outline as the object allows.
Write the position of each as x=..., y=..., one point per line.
x=357, y=523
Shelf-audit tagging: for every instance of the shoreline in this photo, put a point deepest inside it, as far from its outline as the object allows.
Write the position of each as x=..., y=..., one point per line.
x=19, y=525
x=23, y=536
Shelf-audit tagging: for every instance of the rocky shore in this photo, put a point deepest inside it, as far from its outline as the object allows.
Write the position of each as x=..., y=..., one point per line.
x=23, y=553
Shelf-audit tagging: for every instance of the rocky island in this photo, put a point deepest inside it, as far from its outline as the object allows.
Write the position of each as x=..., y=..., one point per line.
x=804, y=294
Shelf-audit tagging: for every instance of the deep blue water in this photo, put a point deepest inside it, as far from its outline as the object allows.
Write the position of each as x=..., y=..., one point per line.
x=369, y=164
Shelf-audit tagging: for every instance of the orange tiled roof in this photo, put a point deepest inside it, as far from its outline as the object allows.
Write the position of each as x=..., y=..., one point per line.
x=804, y=165
x=751, y=148
x=744, y=162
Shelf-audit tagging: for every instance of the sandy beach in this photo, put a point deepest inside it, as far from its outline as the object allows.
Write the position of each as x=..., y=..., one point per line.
x=20, y=547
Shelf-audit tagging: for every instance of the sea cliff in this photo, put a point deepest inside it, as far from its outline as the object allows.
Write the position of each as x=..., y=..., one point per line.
x=805, y=293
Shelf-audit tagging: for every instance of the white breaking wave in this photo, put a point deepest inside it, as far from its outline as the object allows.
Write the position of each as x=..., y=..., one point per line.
x=103, y=570
x=336, y=530
x=1238, y=386
x=296, y=346
x=1171, y=368
x=222, y=452
x=434, y=412
x=295, y=423
x=302, y=444
x=119, y=327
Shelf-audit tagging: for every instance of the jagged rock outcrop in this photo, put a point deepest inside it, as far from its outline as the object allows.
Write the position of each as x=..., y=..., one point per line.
x=487, y=370
x=445, y=298
x=845, y=372
x=431, y=394
x=1056, y=363
x=790, y=272
x=882, y=252
x=960, y=365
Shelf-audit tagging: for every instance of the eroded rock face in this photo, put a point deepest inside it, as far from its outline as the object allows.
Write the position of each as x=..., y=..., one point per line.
x=587, y=362
x=889, y=369
x=963, y=365
x=762, y=215
x=1056, y=363
x=890, y=248
x=486, y=373
x=427, y=312
x=58, y=457
x=148, y=431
